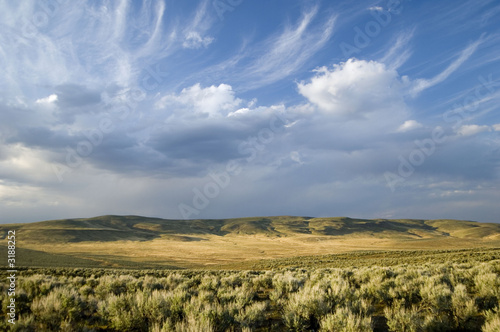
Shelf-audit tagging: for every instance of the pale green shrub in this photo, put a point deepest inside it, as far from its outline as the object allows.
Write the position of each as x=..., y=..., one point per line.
x=263, y=281
x=242, y=296
x=492, y=323
x=361, y=306
x=487, y=284
x=436, y=296
x=402, y=319
x=155, y=307
x=86, y=290
x=123, y=311
x=304, y=309
x=339, y=291
x=159, y=327
x=287, y=283
x=173, y=280
x=194, y=323
x=344, y=320
x=464, y=308
x=59, y=305
x=37, y=285
x=210, y=282
x=252, y=315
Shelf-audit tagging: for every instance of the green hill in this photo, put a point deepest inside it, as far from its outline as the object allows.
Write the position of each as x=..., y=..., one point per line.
x=136, y=228
x=140, y=241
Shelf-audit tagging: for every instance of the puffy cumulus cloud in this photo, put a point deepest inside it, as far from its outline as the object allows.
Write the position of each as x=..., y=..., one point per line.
x=355, y=88
x=470, y=130
x=496, y=127
x=211, y=101
x=352, y=106
x=409, y=125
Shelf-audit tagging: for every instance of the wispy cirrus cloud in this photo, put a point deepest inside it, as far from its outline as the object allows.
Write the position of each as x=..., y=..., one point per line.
x=423, y=84
x=116, y=40
x=279, y=55
x=463, y=16
x=195, y=32
x=400, y=50
x=283, y=54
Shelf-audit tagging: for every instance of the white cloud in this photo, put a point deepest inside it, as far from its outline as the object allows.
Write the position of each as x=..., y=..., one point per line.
x=295, y=156
x=196, y=29
x=241, y=111
x=26, y=165
x=469, y=130
x=423, y=84
x=352, y=107
x=409, y=125
x=194, y=40
x=376, y=8
x=47, y=100
x=354, y=88
x=288, y=51
x=213, y=100
x=399, y=52
x=339, y=135
x=278, y=56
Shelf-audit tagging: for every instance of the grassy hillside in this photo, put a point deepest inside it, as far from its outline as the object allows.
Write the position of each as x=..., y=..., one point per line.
x=134, y=241
x=136, y=228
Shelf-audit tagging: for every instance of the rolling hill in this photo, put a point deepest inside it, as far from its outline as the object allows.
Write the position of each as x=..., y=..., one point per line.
x=134, y=241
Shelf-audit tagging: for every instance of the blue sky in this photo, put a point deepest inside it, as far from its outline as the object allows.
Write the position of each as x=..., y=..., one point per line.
x=230, y=108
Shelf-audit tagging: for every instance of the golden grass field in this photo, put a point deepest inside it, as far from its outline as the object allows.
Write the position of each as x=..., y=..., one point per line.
x=219, y=250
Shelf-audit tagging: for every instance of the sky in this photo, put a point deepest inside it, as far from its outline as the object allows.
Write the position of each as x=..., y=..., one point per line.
x=232, y=108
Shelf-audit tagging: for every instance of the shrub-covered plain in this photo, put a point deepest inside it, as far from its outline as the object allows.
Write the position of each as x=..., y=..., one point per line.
x=432, y=296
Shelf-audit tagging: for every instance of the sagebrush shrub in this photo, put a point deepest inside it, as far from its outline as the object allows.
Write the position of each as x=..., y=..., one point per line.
x=464, y=308
x=402, y=319
x=344, y=320
x=426, y=297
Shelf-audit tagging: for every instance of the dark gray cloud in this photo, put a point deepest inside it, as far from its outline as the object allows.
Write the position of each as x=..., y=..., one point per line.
x=464, y=159
x=74, y=99
x=74, y=95
x=211, y=143
x=42, y=137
